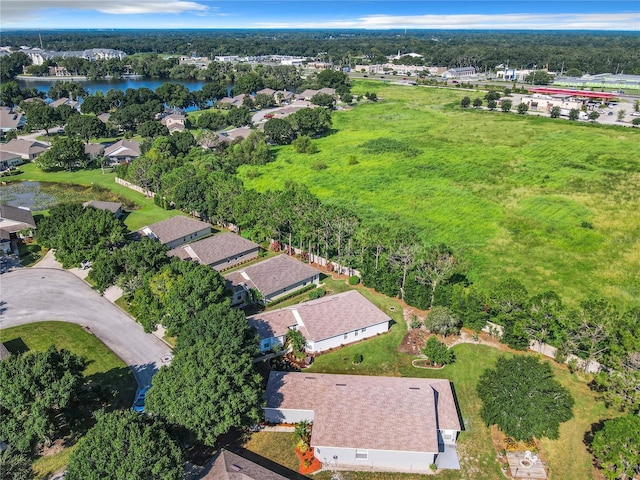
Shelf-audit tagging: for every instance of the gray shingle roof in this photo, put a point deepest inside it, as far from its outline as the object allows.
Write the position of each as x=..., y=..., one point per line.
x=123, y=148
x=21, y=215
x=274, y=274
x=113, y=207
x=174, y=228
x=21, y=146
x=323, y=318
x=215, y=249
x=353, y=411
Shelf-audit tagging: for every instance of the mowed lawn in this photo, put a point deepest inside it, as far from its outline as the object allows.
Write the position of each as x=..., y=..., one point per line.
x=567, y=457
x=104, y=369
x=550, y=202
x=146, y=212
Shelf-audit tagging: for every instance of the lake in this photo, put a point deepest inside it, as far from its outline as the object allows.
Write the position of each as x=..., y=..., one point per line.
x=93, y=86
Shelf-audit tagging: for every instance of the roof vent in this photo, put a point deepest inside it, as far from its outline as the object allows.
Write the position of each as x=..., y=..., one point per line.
x=309, y=378
x=341, y=384
x=414, y=388
x=236, y=468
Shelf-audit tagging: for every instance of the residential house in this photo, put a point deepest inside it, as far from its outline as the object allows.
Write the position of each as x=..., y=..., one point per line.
x=94, y=150
x=462, y=72
x=4, y=352
x=307, y=94
x=234, y=134
x=325, y=323
x=266, y=91
x=220, y=252
x=26, y=149
x=9, y=160
x=352, y=424
x=174, y=122
x=228, y=465
x=123, y=151
x=104, y=117
x=176, y=231
x=12, y=221
x=65, y=101
x=272, y=278
x=113, y=207
x=10, y=120
x=236, y=101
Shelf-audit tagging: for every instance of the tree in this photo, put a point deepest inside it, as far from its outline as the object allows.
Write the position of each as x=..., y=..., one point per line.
x=264, y=100
x=95, y=104
x=593, y=116
x=85, y=127
x=442, y=320
x=239, y=117
x=213, y=120
x=574, y=72
x=574, y=114
x=323, y=100
x=14, y=465
x=635, y=122
x=465, y=102
x=539, y=78
x=312, y=122
x=40, y=117
x=506, y=105
x=592, y=329
x=621, y=114
x=79, y=234
x=404, y=256
x=11, y=65
x=492, y=95
x=66, y=153
x=436, y=268
x=175, y=95
x=37, y=389
x=372, y=96
x=279, y=131
x=296, y=341
x=152, y=129
x=492, y=104
x=303, y=144
x=126, y=444
x=523, y=399
x=477, y=103
x=555, y=112
x=620, y=387
x=523, y=108
x=543, y=317
x=617, y=448
x=210, y=386
x=437, y=352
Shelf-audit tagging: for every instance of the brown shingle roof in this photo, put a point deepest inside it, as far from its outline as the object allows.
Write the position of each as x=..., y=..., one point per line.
x=274, y=274
x=9, y=119
x=322, y=318
x=21, y=146
x=216, y=248
x=353, y=411
x=174, y=228
x=123, y=148
x=230, y=466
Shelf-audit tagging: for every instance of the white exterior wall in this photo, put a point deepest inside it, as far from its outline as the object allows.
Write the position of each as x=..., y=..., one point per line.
x=277, y=415
x=267, y=343
x=189, y=238
x=388, y=459
x=346, y=338
x=449, y=437
x=236, y=260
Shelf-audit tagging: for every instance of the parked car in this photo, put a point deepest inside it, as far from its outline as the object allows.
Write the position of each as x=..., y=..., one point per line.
x=138, y=405
x=610, y=113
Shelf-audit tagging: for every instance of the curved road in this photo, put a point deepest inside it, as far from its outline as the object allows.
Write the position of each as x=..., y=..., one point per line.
x=40, y=294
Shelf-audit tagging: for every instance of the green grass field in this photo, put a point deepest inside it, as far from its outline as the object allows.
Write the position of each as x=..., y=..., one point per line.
x=104, y=368
x=550, y=202
x=145, y=213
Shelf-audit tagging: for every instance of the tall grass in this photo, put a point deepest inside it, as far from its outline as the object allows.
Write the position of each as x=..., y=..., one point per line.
x=551, y=202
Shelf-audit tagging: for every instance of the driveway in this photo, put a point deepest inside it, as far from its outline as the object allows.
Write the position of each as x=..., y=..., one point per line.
x=40, y=294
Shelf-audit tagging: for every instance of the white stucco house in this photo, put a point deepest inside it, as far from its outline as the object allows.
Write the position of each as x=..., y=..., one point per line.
x=380, y=423
x=325, y=323
x=221, y=252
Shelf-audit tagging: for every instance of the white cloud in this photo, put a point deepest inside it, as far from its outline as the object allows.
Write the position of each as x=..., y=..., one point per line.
x=562, y=21
x=17, y=11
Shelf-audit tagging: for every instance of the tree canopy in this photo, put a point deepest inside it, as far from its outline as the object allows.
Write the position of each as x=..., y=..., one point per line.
x=36, y=389
x=523, y=399
x=129, y=446
x=617, y=448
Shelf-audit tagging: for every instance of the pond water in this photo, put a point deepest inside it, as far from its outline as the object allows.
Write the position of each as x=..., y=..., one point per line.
x=26, y=194
x=44, y=195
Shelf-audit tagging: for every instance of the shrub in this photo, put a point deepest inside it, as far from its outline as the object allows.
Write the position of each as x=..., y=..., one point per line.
x=318, y=165
x=438, y=352
x=352, y=160
x=357, y=358
x=354, y=280
x=415, y=322
x=316, y=293
x=586, y=224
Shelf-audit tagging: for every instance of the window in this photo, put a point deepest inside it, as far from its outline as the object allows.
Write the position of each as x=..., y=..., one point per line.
x=364, y=329
x=346, y=335
x=362, y=454
x=356, y=333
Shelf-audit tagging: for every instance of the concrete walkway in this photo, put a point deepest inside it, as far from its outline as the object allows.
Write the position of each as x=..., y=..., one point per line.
x=40, y=294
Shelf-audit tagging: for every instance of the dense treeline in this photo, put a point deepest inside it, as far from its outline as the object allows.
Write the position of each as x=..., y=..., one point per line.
x=592, y=52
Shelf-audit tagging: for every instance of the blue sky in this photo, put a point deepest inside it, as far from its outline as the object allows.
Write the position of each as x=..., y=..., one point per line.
x=456, y=14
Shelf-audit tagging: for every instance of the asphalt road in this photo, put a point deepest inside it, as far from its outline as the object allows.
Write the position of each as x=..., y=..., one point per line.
x=40, y=294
